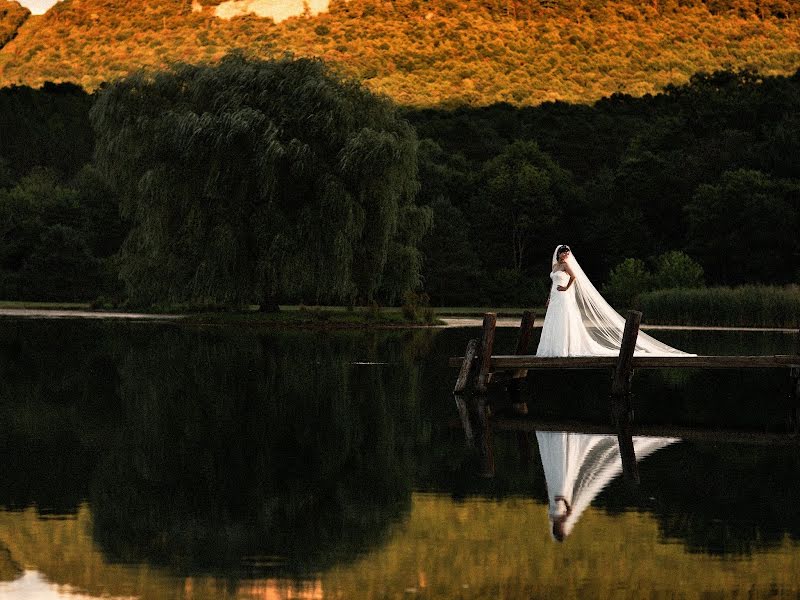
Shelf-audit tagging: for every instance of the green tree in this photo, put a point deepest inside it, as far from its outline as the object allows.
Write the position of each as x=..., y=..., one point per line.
x=626, y=281
x=745, y=227
x=524, y=191
x=452, y=271
x=259, y=181
x=43, y=252
x=677, y=269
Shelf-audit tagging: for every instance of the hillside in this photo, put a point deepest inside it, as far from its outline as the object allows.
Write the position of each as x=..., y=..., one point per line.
x=425, y=53
x=12, y=16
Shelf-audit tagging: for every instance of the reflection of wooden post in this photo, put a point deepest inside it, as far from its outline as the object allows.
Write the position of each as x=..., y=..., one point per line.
x=524, y=445
x=484, y=438
x=626, y=450
x=485, y=352
x=794, y=399
x=621, y=385
x=463, y=414
x=466, y=367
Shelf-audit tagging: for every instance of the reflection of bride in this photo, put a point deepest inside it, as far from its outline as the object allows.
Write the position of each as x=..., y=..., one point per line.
x=578, y=466
x=579, y=322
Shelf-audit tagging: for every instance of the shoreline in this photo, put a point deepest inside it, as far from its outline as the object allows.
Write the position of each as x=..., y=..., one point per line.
x=449, y=322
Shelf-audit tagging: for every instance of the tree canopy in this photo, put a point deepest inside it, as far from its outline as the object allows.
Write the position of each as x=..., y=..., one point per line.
x=252, y=180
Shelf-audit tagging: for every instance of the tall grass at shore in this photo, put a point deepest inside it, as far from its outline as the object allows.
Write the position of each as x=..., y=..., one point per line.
x=745, y=306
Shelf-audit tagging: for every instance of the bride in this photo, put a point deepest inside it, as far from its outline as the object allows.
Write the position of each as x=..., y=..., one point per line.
x=579, y=322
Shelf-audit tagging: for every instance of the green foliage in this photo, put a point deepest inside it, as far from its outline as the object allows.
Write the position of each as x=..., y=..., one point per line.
x=43, y=249
x=743, y=306
x=48, y=127
x=626, y=281
x=522, y=192
x=677, y=269
x=256, y=180
x=745, y=227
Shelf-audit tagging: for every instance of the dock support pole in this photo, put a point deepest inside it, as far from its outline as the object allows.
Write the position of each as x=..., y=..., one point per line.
x=466, y=367
x=514, y=386
x=485, y=352
x=523, y=341
x=621, y=409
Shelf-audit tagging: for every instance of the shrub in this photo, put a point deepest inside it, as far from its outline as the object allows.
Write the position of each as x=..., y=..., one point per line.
x=677, y=270
x=626, y=281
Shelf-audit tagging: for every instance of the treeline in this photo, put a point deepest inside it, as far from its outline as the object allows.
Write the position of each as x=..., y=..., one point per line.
x=710, y=169
x=427, y=53
x=60, y=227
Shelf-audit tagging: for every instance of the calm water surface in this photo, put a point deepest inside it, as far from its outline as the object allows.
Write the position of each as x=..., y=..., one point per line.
x=162, y=461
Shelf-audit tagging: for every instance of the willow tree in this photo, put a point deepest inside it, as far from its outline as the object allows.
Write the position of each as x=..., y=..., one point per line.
x=258, y=181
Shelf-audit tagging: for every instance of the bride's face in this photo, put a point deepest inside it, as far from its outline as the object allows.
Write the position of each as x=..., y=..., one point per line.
x=563, y=256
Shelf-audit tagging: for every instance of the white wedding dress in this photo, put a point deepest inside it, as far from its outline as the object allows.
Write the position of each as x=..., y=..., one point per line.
x=579, y=322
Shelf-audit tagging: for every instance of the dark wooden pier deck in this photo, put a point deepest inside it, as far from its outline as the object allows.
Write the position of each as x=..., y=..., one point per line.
x=479, y=367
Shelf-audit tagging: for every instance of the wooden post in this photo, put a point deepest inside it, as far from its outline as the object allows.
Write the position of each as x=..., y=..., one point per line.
x=514, y=386
x=485, y=353
x=466, y=367
x=524, y=339
x=623, y=373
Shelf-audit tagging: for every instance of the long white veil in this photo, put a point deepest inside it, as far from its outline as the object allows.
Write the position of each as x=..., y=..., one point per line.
x=603, y=324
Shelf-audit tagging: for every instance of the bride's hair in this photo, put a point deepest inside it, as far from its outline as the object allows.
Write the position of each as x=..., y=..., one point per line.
x=561, y=250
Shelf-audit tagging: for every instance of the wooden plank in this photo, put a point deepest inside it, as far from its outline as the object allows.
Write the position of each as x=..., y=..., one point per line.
x=509, y=361
x=485, y=352
x=466, y=367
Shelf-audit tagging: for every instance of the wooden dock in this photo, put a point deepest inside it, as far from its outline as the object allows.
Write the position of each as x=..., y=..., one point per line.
x=480, y=367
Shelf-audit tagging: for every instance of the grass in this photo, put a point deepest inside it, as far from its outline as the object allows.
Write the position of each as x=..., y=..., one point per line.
x=745, y=306
x=289, y=315
x=45, y=305
x=336, y=316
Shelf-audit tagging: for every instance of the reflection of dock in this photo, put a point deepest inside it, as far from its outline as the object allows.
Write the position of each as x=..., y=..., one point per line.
x=717, y=436
x=479, y=367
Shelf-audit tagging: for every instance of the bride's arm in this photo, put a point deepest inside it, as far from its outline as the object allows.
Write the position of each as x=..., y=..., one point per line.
x=569, y=272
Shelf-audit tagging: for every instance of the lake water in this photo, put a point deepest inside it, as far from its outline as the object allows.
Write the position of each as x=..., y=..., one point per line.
x=156, y=460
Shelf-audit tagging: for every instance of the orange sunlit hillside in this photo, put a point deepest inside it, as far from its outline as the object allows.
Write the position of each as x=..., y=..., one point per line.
x=12, y=16
x=434, y=52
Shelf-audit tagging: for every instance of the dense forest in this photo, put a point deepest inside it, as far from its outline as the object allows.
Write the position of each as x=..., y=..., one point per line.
x=703, y=179
x=424, y=52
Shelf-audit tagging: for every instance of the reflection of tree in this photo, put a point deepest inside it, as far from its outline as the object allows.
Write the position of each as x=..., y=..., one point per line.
x=9, y=569
x=254, y=446
x=720, y=498
x=199, y=448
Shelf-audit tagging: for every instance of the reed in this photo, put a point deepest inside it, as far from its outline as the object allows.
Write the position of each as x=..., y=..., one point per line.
x=745, y=306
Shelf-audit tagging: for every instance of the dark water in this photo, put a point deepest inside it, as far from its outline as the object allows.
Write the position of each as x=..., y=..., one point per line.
x=158, y=461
